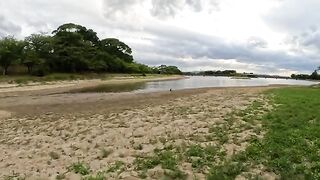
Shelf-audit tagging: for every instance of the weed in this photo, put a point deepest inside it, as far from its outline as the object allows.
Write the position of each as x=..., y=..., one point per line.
x=138, y=147
x=99, y=176
x=118, y=166
x=79, y=168
x=174, y=174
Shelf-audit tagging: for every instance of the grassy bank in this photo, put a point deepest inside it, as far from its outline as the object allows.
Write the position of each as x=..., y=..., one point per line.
x=24, y=79
x=290, y=148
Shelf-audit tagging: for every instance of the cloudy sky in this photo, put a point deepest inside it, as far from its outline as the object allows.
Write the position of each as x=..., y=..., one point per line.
x=260, y=36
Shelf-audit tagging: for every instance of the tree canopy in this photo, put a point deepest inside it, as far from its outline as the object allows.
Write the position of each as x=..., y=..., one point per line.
x=72, y=48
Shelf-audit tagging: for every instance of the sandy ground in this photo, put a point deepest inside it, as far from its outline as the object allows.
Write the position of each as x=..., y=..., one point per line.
x=42, y=134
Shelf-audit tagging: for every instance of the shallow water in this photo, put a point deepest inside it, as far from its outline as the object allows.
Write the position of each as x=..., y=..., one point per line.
x=193, y=82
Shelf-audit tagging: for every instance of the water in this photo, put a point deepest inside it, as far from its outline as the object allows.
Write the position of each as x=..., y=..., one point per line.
x=191, y=83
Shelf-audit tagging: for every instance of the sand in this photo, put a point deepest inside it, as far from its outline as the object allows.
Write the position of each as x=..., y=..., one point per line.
x=42, y=134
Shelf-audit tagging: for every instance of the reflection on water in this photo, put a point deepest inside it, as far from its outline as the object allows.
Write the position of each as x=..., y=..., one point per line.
x=128, y=87
x=193, y=82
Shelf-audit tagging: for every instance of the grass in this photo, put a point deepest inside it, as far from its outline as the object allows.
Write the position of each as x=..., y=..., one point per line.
x=79, y=168
x=24, y=79
x=118, y=167
x=290, y=148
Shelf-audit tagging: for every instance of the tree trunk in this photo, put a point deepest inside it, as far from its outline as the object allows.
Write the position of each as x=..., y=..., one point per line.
x=29, y=69
x=5, y=70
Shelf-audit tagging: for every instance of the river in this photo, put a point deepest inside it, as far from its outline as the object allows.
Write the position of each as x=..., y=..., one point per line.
x=192, y=82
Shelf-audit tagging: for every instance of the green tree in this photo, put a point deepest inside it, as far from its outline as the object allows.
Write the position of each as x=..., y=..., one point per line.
x=164, y=69
x=74, y=48
x=315, y=75
x=117, y=48
x=10, y=52
x=37, y=52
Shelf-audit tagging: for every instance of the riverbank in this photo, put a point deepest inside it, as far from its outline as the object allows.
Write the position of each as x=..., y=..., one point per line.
x=183, y=134
x=58, y=86
x=118, y=135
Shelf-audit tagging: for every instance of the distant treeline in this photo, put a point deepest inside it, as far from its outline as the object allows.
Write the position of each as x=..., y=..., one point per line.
x=72, y=48
x=222, y=73
x=214, y=73
x=314, y=76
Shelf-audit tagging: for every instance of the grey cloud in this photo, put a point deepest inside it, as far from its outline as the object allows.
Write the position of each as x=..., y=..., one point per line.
x=300, y=20
x=7, y=27
x=112, y=8
x=256, y=42
x=294, y=16
x=160, y=8
x=169, y=8
x=166, y=8
x=179, y=44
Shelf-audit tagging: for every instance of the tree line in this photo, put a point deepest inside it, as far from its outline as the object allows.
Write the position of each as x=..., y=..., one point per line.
x=314, y=76
x=72, y=48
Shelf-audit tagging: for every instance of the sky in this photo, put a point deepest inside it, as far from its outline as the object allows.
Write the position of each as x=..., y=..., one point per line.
x=259, y=36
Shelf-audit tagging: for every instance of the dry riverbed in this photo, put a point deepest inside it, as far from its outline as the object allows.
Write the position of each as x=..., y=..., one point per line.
x=125, y=135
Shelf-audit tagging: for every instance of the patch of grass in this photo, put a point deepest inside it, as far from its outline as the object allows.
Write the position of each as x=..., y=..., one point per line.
x=228, y=170
x=201, y=157
x=118, y=166
x=79, y=168
x=98, y=176
x=220, y=132
x=290, y=148
x=174, y=174
x=168, y=158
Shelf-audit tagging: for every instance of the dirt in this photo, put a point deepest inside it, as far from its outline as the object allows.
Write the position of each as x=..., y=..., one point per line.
x=77, y=127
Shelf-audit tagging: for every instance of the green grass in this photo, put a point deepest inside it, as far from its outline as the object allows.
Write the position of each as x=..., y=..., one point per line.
x=24, y=79
x=118, y=166
x=291, y=146
x=79, y=168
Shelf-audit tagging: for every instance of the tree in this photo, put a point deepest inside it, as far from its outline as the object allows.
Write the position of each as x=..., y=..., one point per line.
x=74, y=48
x=117, y=48
x=86, y=34
x=164, y=69
x=38, y=49
x=10, y=52
x=315, y=75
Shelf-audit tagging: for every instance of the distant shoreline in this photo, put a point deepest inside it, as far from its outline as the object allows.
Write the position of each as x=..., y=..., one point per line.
x=76, y=84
